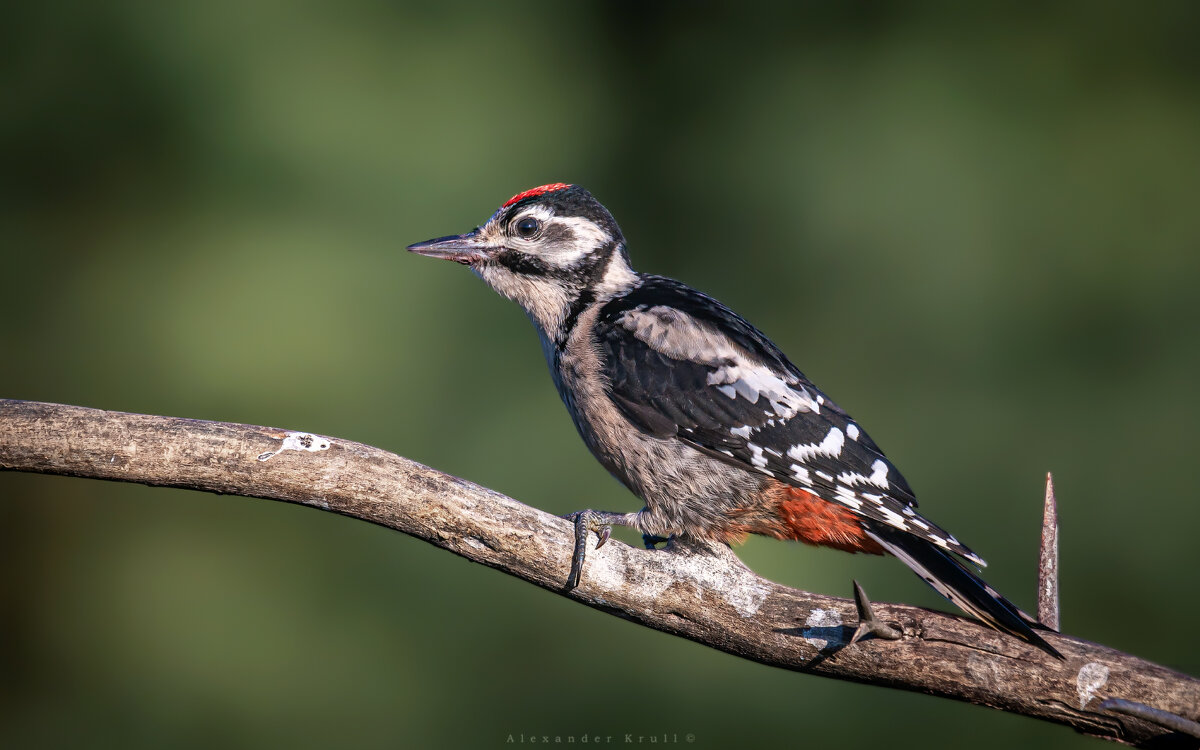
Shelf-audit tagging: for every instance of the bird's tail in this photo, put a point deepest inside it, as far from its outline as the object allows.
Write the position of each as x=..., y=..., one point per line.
x=951, y=579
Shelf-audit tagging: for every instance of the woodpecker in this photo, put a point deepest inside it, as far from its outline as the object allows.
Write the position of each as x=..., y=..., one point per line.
x=696, y=411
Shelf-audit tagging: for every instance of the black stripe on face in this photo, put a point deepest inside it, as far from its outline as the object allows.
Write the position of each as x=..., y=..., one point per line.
x=581, y=303
x=587, y=276
x=522, y=263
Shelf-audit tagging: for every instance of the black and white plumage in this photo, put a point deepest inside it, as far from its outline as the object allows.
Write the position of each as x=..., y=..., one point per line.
x=695, y=410
x=683, y=365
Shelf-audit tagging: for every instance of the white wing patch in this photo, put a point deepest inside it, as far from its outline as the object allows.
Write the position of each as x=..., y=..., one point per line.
x=878, y=478
x=753, y=382
x=846, y=497
x=757, y=458
x=831, y=446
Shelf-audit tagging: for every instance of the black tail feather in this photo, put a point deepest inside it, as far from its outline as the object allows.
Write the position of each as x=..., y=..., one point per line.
x=951, y=579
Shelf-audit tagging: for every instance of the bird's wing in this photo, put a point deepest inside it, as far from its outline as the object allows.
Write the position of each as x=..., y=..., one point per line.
x=680, y=364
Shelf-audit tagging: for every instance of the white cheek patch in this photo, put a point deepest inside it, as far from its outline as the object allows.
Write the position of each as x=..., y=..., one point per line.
x=588, y=235
x=584, y=237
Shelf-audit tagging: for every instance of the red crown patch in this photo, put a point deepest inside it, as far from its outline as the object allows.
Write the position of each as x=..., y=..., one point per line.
x=539, y=190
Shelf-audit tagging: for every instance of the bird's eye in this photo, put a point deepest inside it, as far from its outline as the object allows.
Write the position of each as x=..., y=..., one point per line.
x=528, y=227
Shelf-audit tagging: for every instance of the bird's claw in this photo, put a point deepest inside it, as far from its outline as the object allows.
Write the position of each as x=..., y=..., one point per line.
x=585, y=521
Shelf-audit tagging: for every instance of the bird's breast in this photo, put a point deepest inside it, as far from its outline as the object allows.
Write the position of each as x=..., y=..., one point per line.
x=687, y=489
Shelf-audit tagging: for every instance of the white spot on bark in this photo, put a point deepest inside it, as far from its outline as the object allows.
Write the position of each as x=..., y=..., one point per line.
x=299, y=441
x=1092, y=677
x=823, y=628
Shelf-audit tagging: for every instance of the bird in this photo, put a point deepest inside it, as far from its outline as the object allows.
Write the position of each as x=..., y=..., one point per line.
x=696, y=411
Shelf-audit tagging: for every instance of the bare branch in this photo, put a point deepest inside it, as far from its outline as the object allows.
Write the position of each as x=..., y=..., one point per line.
x=705, y=595
x=1047, y=597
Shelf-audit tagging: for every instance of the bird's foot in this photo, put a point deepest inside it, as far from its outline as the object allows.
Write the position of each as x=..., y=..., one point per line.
x=653, y=540
x=598, y=521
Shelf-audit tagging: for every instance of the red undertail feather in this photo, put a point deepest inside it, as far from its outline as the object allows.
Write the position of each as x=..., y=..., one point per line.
x=792, y=513
x=815, y=521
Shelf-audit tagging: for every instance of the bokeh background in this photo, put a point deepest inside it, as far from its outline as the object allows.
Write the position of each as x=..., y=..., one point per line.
x=975, y=226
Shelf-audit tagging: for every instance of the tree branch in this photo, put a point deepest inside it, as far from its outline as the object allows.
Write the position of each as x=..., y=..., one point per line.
x=705, y=595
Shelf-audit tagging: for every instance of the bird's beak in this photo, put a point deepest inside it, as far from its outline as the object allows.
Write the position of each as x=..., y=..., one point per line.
x=461, y=248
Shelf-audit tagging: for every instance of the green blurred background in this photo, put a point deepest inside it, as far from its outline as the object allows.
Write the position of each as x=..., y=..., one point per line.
x=974, y=226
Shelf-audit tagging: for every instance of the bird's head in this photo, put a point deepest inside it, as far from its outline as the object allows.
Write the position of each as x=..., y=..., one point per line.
x=546, y=249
